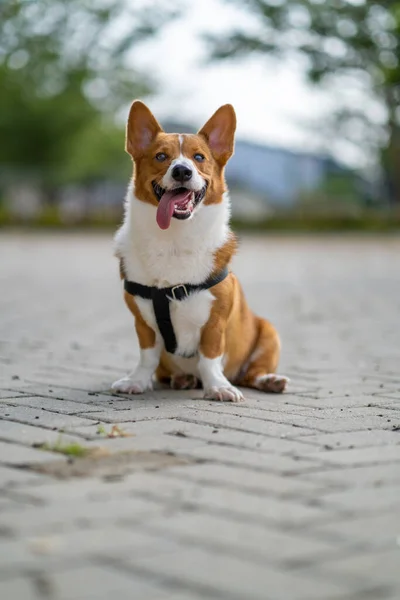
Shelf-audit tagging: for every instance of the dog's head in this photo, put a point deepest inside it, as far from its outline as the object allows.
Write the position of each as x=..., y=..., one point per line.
x=178, y=173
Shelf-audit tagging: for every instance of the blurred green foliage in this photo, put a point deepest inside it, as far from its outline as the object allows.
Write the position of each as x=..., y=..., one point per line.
x=338, y=191
x=338, y=39
x=64, y=73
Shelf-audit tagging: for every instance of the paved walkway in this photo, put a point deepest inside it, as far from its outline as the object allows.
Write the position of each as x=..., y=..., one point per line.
x=293, y=497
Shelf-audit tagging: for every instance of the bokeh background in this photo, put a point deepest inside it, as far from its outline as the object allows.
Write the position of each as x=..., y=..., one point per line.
x=316, y=87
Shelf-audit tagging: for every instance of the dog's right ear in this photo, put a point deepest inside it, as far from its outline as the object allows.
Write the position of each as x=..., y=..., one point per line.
x=141, y=130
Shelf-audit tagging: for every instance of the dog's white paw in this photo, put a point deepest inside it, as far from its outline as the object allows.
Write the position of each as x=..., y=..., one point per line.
x=272, y=383
x=129, y=386
x=224, y=394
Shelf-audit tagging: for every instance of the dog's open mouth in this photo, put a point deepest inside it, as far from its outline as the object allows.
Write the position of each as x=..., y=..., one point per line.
x=178, y=203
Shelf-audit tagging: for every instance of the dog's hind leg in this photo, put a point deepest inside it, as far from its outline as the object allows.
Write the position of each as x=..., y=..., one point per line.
x=166, y=374
x=260, y=370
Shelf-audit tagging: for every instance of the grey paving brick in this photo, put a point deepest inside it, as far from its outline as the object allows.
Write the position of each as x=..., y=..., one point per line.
x=379, y=530
x=261, y=544
x=255, y=482
x=102, y=583
x=243, y=423
x=125, y=416
x=157, y=443
x=29, y=434
x=243, y=505
x=48, y=551
x=288, y=496
x=10, y=477
x=338, y=402
x=374, y=498
x=359, y=456
x=18, y=589
x=354, y=439
x=53, y=404
x=9, y=394
x=381, y=566
x=236, y=578
x=12, y=454
x=259, y=461
x=42, y=418
x=360, y=476
x=326, y=421
x=61, y=392
x=66, y=515
x=205, y=432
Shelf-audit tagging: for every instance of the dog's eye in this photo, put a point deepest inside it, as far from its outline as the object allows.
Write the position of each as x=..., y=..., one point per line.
x=161, y=156
x=199, y=157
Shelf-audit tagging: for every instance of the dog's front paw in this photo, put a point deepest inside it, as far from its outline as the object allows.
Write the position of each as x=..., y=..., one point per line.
x=224, y=394
x=130, y=386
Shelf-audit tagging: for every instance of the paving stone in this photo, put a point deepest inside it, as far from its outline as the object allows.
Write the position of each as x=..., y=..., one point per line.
x=64, y=516
x=243, y=505
x=10, y=477
x=258, y=461
x=48, y=551
x=38, y=417
x=243, y=539
x=330, y=422
x=11, y=454
x=338, y=402
x=8, y=394
x=156, y=443
x=288, y=496
x=376, y=498
x=243, y=423
x=360, y=476
x=18, y=589
x=236, y=578
x=378, y=530
x=29, y=434
x=383, y=566
x=348, y=440
x=255, y=482
x=359, y=456
x=102, y=583
x=53, y=404
x=125, y=416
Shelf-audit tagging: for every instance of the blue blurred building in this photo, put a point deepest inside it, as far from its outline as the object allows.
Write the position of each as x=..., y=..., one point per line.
x=278, y=175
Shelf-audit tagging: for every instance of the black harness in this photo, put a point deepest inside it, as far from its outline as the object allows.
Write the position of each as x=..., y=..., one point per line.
x=161, y=298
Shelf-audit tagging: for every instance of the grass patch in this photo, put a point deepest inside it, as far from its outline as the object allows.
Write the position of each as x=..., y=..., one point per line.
x=74, y=449
x=101, y=430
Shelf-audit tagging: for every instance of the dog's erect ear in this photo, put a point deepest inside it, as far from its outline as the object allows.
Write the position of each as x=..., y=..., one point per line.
x=141, y=130
x=219, y=132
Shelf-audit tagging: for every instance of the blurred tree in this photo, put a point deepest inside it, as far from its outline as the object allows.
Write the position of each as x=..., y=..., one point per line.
x=63, y=75
x=356, y=38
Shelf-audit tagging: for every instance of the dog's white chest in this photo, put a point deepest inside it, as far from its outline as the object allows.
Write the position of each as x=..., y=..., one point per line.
x=187, y=316
x=184, y=253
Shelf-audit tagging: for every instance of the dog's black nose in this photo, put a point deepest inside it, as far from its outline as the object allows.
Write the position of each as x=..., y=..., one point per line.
x=181, y=173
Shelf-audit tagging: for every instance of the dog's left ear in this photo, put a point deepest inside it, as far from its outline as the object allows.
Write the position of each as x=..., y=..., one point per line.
x=142, y=129
x=219, y=132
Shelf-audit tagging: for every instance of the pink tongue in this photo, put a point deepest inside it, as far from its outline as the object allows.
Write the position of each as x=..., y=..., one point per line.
x=166, y=206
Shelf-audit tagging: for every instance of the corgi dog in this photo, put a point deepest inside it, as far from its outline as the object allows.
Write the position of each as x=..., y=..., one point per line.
x=175, y=246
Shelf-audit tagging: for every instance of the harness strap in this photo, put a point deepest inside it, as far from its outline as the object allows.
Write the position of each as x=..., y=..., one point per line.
x=162, y=297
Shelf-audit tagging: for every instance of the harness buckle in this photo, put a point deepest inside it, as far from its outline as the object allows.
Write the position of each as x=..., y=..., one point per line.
x=179, y=295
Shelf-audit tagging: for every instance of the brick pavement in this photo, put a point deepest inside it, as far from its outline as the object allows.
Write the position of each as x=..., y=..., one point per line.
x=292, y=497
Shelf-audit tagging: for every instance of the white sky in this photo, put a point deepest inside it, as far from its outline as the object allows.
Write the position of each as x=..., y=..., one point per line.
x=273, y=101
